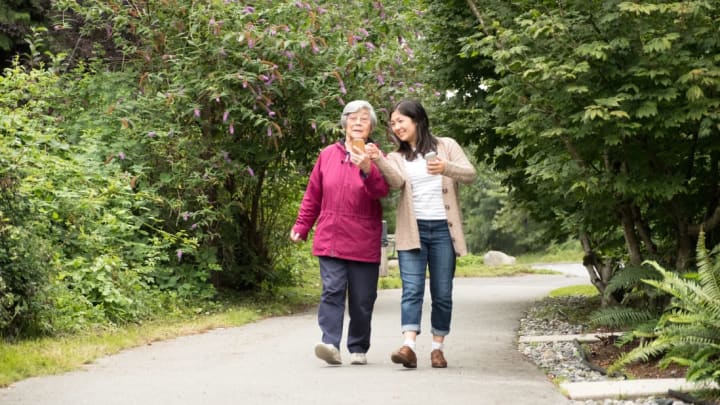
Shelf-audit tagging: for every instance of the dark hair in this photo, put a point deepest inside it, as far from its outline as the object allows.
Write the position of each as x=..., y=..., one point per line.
x=425, y=142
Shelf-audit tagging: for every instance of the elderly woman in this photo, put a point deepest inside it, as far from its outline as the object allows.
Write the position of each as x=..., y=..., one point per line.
x=343, y=196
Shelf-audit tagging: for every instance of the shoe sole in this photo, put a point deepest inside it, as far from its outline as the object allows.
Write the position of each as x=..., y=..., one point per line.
x=324, y=353
x=397, y=359
x=359, y=362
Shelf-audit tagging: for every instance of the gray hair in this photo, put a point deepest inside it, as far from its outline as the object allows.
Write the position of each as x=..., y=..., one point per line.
x=355, y=106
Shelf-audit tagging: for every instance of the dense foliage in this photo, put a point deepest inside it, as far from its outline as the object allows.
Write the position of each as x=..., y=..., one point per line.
x=603, y=119
x=17, y=19
x=167, y=161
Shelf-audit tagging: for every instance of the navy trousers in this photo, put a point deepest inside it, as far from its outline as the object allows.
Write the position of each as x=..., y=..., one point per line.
x=357, y=282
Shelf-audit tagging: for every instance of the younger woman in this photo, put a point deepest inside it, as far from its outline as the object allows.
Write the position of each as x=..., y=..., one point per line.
x=428, y=234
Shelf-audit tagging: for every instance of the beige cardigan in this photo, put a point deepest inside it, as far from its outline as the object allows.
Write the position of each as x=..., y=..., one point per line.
x=458, y=170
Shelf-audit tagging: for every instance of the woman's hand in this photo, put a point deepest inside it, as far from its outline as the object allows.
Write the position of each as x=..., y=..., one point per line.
x=294, y=236
x=436, y=166
x=360, y=159
x=372, y=151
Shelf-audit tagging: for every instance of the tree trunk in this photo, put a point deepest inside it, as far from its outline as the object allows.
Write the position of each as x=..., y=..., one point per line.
x=599, y=271
x=631, y=238
x=685, y=248
x=644, y=231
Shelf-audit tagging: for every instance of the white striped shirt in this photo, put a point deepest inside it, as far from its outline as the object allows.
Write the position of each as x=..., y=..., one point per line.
x=427, y=190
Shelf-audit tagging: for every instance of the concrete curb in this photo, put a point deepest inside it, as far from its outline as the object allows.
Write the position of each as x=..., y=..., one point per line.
x=627, y=388
x=613, y=389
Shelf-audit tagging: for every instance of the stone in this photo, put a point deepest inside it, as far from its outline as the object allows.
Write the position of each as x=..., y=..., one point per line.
x=497, y=258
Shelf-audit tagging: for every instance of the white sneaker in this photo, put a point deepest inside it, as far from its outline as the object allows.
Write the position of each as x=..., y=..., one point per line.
x=358, y=358
x=328, y=352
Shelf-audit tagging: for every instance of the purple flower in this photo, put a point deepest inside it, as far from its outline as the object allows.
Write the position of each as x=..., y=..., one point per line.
x=271, y=113
x=380, y=79
x=225, y=115
x=342, y=88
x=313, y=125
x=251, y=43
x=121, y=155
x=269, y=131
x=151, y=134
x=185, y=215
x=232, y=129
x=369, y=45
x=250, y=171
x=249, y=10
x=179, y=254
x=193, y=226
x=197, y=112
x=217, y=99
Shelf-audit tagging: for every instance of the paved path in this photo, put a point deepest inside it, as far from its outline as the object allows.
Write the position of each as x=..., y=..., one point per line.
x=272, y=362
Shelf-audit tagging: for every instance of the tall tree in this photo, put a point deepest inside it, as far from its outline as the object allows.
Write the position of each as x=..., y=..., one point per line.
x=604, y=120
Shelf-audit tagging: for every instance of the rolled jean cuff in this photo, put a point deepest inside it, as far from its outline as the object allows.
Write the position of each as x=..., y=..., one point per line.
x=436, y=332
x=410, y=328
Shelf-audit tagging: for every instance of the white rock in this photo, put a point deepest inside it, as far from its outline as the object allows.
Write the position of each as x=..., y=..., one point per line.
x=497, y=258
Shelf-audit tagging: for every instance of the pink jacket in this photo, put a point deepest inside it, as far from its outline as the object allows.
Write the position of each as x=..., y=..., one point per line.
x=346, y=205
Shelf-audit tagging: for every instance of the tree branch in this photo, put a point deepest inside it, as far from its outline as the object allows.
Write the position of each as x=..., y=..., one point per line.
x=475, y=11
x=709, y=224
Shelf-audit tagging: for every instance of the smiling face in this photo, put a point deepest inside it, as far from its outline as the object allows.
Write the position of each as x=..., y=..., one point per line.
x=358, y=124
x=404, y=128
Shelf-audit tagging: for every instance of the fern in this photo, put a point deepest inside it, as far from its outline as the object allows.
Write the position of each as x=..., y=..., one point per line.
x=621, y=317
x=688, y=332
x=630, y=277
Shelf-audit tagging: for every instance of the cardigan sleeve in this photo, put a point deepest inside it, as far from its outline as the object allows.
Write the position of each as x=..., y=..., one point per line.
x=388, y=166
x=458, y=166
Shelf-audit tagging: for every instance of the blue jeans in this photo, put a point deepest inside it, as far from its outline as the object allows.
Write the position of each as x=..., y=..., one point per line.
x=437, y=255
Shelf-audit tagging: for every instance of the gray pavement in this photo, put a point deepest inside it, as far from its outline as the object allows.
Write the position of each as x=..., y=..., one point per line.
x=272, y=361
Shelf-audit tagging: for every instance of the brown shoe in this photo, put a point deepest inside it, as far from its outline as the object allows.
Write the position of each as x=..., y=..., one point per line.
x=405, y=356
x=437, y=359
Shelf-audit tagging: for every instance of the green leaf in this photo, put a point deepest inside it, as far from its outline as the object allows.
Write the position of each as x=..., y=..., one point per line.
x=647, y=109
x=694, y=93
